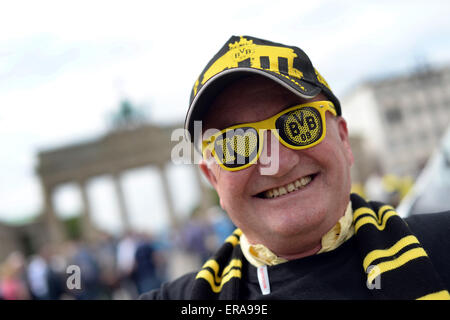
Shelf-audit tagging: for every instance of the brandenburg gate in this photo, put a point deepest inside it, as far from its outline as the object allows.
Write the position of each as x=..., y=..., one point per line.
x=111, y=154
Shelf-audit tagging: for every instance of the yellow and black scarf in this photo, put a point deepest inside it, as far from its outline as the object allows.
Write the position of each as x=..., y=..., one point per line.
x=387, y=247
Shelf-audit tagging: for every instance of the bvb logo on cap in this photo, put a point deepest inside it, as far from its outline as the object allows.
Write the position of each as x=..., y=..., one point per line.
x=242, y=50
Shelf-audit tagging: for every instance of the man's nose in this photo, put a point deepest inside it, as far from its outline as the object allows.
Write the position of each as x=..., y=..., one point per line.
x=275, y=154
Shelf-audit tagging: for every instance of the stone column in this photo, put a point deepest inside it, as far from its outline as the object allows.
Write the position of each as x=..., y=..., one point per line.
x=121, y=202
x=56, y=230
x=168, y=196
x=87, y=228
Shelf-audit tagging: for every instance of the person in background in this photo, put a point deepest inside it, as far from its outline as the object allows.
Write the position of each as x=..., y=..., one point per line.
x=13, y=285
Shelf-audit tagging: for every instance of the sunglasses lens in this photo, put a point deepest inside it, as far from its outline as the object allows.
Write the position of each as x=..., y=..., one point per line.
x=300, y=127
x=237, y=147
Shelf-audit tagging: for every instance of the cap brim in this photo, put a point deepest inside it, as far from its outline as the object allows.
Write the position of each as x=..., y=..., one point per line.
x=200, y=104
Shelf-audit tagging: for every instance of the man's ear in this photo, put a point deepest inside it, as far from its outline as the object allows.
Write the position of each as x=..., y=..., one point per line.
x=209, y=174
x=343, y=135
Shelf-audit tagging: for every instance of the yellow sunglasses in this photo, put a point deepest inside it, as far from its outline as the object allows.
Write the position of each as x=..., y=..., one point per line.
x=298, y=127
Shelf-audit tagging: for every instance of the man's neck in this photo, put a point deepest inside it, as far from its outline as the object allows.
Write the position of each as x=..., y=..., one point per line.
x=303, y=254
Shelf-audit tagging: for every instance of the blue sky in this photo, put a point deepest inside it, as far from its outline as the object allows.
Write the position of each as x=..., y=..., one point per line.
x=64, y=66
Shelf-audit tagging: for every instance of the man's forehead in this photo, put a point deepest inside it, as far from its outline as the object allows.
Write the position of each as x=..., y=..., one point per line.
x=252, y=88
x=248, y=100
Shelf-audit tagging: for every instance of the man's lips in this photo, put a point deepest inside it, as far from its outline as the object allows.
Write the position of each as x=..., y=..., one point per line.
x=293, y=186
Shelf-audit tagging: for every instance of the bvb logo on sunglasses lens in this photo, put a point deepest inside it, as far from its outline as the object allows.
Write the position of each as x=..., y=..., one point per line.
x=300, y=127
x=237, y=146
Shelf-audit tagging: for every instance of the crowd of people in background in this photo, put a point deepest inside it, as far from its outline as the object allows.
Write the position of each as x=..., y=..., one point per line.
x=109, y=269
x=116, y=268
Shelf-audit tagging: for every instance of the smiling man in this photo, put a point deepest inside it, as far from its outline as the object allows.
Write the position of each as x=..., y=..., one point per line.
x=274, y=209
x=301, y=234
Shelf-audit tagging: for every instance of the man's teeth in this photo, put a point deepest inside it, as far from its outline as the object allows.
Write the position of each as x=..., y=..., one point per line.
x=293, y=186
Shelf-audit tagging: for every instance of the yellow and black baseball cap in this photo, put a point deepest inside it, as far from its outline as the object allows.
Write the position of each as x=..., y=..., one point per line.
x=245, y=55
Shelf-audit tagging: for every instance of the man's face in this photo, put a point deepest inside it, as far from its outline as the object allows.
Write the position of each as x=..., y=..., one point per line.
x=296, y=221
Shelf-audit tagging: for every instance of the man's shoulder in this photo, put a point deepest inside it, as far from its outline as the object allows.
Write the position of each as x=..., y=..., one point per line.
x=178, y=289
x=431, y=225
x=433, y=232
x=432, y=229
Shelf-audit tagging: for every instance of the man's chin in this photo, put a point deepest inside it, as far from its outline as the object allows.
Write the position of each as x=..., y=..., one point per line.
x=296, y=223
x=290, y=242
